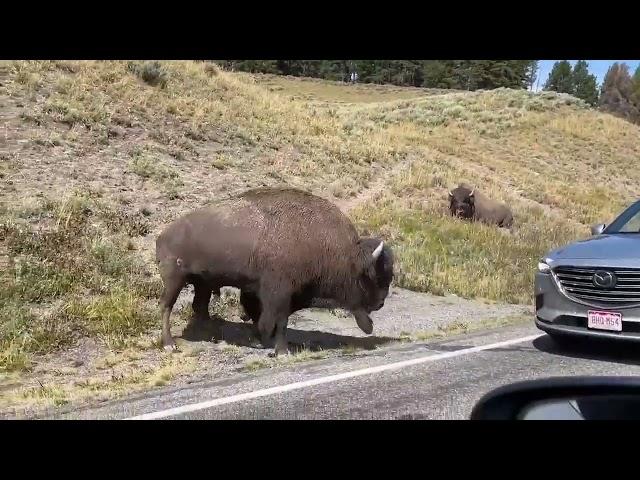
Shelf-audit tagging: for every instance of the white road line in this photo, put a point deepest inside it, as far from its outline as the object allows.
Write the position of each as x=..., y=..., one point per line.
x=331, y=378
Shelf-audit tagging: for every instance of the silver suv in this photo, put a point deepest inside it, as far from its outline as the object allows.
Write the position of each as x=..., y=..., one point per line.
x=592, y=287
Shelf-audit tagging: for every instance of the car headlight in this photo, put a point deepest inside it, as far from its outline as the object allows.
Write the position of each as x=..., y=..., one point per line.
x=543, y=267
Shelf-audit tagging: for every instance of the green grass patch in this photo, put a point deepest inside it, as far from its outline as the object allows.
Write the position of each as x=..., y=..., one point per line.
x=439, y=255
x=146, y=166
x=69, y=277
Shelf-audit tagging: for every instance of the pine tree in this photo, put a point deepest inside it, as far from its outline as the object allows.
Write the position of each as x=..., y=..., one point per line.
x=531, y=74
x=407, y=72
x=438, y=74
x=560, y=79
x=465, y=74
x=635, y=87
x=520, y=73
x=458, y=74
x=255, y=66
x=616, y=95
x=333, y=70
x=490, y=74
x=584, y=83
x=485, y=74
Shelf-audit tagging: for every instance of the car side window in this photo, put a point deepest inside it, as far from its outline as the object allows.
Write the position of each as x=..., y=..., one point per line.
x=633, y=225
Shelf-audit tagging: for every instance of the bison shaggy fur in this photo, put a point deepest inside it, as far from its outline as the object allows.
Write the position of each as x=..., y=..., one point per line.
x=284, y=249
x=470, y=204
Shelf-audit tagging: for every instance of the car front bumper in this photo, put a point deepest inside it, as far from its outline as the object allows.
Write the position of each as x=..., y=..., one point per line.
x=558, y=314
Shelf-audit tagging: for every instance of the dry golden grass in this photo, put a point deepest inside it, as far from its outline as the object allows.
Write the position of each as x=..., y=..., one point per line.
x=199, y=106
x=119, y=377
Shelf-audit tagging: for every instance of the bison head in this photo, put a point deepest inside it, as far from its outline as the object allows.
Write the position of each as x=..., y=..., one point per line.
x=462, y=202
x=375, y=279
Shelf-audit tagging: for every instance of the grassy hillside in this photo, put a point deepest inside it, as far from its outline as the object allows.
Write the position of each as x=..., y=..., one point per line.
x=559, y=165
x=97, y=156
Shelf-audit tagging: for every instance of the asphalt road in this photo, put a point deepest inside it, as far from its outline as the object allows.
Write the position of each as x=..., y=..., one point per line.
x=432, y=380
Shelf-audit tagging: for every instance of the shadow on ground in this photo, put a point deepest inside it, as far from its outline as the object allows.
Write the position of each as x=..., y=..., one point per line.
x=591, y=349
x=244, y=334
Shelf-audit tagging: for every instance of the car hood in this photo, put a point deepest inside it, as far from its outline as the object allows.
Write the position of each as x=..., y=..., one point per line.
x=621, y=249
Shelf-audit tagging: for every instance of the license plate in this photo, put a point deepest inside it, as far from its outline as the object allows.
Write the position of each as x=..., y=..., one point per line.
x=604, y=320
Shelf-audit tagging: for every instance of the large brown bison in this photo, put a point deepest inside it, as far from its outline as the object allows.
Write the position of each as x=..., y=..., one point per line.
x=468, y=203
x=284, y=249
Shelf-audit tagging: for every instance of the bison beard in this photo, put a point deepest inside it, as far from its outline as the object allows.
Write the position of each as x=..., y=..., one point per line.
x=284, y=249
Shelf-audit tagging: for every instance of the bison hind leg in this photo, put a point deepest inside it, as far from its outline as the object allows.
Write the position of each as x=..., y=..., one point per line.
x=173, y=281
x=251, y=305
x=201, y=299
x=252, y=311
x=202, y=327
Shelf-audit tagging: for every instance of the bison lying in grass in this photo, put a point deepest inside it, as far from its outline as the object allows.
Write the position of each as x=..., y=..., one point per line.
x=468, y=203
x=284, y=249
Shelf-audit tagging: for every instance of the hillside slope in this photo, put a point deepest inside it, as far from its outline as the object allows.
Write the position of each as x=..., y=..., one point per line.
x=95, y=157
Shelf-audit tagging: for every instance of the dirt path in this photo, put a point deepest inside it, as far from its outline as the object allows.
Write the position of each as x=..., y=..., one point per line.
x=384, y=178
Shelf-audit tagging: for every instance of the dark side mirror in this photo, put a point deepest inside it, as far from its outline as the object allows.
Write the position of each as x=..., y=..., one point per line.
x=563, y=398
x=598, y=228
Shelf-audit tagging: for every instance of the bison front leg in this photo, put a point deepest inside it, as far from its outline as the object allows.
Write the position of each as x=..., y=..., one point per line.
x=274, y=317
x=282, y=346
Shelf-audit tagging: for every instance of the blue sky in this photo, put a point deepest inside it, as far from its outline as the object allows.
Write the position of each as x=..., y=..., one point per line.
x=597, y=67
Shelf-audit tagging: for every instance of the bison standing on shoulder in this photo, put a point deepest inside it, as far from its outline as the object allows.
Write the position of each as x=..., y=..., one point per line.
x=284, y=249
x=466, y=202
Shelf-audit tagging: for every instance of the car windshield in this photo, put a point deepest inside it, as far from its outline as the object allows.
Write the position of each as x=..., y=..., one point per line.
x=627, y=222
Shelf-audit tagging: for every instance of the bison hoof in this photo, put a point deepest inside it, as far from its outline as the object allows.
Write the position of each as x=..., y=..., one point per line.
x=266, y=341
x=279, y=353
x=171, y=348
x=281, y=349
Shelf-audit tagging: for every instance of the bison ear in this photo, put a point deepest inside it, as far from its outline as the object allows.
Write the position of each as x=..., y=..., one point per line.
x=378, y=251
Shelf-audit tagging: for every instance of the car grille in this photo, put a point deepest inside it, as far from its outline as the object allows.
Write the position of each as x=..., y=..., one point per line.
x=578, y=283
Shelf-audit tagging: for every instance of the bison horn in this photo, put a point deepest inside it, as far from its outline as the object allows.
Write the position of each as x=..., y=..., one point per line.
x=450, y=194
x=378, y=251
x=471, y=194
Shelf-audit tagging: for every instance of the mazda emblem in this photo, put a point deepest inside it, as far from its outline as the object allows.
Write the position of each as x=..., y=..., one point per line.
x=604, y=279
